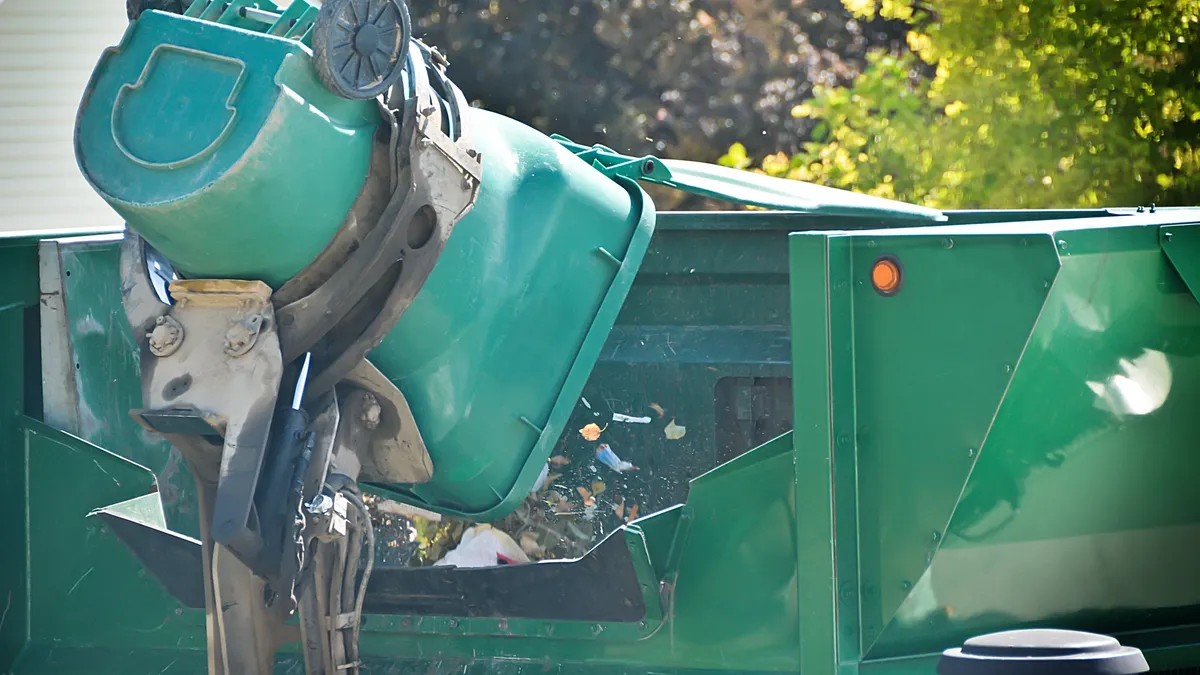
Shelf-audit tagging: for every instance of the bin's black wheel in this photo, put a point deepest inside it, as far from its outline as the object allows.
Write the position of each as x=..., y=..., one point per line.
x=359, y=46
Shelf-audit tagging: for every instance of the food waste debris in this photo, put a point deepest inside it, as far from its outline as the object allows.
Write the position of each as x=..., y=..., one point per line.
x=576, y=500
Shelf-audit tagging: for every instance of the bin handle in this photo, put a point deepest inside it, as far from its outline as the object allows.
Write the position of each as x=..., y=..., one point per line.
x=128, y=89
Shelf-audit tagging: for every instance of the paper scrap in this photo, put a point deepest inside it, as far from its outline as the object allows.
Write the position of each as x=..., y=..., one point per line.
x=674, y=431
x=606, y=455
x=618, y=417
x=591, y=431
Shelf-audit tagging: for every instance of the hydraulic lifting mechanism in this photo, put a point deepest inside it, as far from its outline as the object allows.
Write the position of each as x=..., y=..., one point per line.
x=267, y=393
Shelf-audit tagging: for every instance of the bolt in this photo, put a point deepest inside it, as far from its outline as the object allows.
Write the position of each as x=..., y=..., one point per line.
x=970, y=452
x=472, y=153
x=241, y=336
x=597, y=629
x=166, y=337
x=425, y=142
x=454, y=623
x=371, y=412
x=1007, y=368
x=502, y=624
x=178, y=611
x=947, y=243
x=406, y=622
x=1062, y=244
x=467, y=183
x=1167, y=236
x=937, y=536
x=906, y=585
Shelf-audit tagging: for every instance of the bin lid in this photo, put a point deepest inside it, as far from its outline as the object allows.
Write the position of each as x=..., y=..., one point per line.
x=749, y=188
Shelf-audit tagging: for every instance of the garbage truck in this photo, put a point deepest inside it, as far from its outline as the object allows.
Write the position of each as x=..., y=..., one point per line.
x=826, y=434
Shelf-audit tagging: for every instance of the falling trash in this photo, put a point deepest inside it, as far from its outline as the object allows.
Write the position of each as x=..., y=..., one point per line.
x=606, y=455
x=559, y=460
x=586, y=494
x=592, y=431
x=484, y=546
x=629, y=419
x=530, y=545
x=633, y=514
x=658, y=409
x=674, y=431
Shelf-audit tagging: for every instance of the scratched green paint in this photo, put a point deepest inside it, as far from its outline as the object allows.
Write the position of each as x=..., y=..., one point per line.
x=108, y=378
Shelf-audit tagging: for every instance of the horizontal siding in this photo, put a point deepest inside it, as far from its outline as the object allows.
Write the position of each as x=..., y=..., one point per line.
x=47, y=52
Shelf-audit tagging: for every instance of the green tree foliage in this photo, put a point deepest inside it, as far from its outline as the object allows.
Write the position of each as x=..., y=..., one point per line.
x=1015, y=103
x=680, y=78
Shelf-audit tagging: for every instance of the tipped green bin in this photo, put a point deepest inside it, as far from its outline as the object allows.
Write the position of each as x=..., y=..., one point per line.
x=220, y=147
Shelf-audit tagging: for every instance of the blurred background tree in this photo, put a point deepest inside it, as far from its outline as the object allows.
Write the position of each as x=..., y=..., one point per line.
x=1013, y=103
x=679, y=78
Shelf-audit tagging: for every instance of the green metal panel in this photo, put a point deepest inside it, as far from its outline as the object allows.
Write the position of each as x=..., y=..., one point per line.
x=1085, y=482
x=85, y=589
x=1182, y=246
x=108, y=378
x=1029, y=389
x=930, y=367
x=813, y=338
x=79, y=575
x=228, y=135
x=901, y=395
x=18, y=297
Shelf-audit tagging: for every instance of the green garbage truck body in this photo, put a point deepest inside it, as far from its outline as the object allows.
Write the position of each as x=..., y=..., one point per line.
x=834, y=434
x=1003, y=443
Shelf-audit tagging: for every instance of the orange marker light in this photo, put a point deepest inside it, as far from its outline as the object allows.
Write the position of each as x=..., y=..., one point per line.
x=887, y=276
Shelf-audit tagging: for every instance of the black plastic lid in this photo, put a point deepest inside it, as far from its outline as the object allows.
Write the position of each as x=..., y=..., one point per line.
x=1042, y=652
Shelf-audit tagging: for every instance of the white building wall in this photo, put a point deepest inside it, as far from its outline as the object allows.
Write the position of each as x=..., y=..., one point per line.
x=47, y=51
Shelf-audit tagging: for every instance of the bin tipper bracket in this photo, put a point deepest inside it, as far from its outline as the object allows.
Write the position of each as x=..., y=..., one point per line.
x=269, y=396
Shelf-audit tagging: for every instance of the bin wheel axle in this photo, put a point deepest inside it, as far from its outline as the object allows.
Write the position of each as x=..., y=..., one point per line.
x=359, y=46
